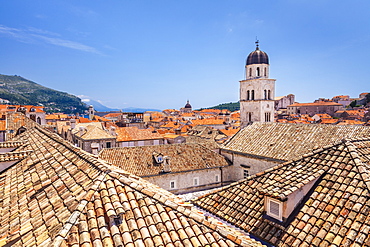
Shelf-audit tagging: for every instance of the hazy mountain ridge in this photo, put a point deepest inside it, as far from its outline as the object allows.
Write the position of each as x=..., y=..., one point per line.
x=21, y=91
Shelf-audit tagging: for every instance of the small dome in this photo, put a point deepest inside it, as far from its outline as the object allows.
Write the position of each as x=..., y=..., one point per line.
x=188, y=105
x=257, y=57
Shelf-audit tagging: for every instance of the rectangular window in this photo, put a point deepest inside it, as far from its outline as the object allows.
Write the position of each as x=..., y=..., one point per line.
x=108, y=145
x=274, y=208
x=217, y=178
x=245, y=173
x=172, y=184
x=196, y=181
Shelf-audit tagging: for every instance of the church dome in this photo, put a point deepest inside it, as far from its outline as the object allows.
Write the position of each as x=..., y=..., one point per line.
x=188, y=105
x=257, y=57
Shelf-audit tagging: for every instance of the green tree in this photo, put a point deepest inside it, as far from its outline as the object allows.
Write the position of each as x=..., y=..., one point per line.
x=353, y=103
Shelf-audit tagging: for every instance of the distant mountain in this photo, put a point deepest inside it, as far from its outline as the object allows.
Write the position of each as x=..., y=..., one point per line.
x=133, y=109
x=20, y=91
x=102, y=108
x=97, y=105
x=232, y=106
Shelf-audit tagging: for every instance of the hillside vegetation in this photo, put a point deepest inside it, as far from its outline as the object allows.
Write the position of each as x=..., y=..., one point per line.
x=232, y=106
x=20, y=91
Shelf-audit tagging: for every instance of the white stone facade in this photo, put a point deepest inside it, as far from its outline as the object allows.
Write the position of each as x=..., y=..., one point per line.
x=257, y=96
x=244, y=164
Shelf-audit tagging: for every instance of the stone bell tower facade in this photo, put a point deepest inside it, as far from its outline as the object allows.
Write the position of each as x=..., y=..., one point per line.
x=257, y=91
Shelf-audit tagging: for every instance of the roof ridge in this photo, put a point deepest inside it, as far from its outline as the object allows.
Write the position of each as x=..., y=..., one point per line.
x=313, y=152
x=175, y=203
x=98, y=163
x=363, y=171
x=73, y=218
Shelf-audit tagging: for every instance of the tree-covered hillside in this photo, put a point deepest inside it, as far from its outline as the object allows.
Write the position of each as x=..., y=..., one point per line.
x=232, y=106
x=20, y=91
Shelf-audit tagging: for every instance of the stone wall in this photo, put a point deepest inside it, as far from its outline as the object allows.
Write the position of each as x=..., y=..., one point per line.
x=185, y=180
x=244, y=162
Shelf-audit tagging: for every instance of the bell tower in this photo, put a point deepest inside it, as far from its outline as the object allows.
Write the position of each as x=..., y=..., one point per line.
x=257, y=91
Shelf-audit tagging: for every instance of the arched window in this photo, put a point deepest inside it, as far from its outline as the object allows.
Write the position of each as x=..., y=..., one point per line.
x=269, y=94
x=248, y=95
x=265, y=72
x=265, y=94
x=252, y=96
x=38, y=120
x=258, y=71
x=267, y=117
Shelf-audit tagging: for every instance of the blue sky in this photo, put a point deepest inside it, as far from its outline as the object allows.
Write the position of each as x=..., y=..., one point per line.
x=158, y=54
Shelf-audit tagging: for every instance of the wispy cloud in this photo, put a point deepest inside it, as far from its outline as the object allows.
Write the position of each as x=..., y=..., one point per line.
x=34, y=35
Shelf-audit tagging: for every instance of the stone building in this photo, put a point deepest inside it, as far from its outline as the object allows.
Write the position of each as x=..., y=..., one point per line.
x=187, y=108
x=92, y=139
x=133, y=137
x=319, y=199
x=55, y=194
x=282, y=102
x=315, y=108
x=178, y=168
x=257, y=91
x=260, y=146
x=35, y=113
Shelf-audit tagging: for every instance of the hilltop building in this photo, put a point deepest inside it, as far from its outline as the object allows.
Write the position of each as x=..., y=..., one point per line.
x=257, y=91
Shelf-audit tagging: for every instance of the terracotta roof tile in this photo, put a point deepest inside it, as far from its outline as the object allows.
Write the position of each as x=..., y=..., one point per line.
x=59, y=195
x=284, y=141
x=337, y=209
x=92, y=132
x=321, y=103
x=183, y=157
x=135, y=134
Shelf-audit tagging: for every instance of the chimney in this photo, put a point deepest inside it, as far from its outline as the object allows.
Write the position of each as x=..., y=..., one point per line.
x=166, y=164
x=73, y=123
x=112, y=131
x=82, y=130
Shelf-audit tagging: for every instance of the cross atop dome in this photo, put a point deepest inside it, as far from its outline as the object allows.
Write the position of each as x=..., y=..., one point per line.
x=257, y=44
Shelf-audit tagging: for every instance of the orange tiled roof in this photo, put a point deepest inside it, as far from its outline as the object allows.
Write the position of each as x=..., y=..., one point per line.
x=125, y=134
x=321, y=103
x=285, y=141
x=171, y=125
x=229, y=132
x=351, y=122
x=208, y=122
x=83, y=120
x=59, y=195
x=51, y=117
x=113, y=115
x=2, y=125
x=187, y=115
x=183, y=157
x=329, y=121
x=334, y=213
x=101, y=119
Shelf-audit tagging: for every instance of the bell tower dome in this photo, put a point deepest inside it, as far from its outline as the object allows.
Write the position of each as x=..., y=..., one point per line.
x=257, y=90
x=257, y=65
